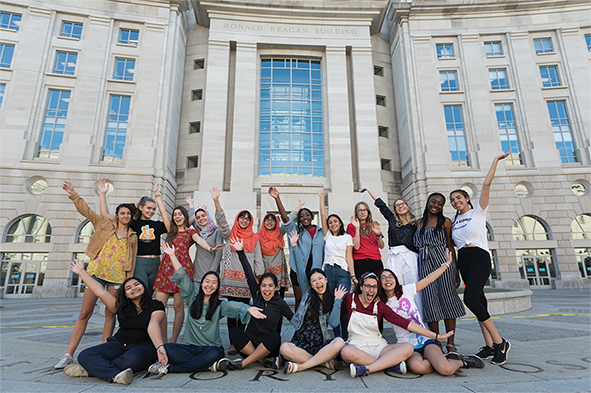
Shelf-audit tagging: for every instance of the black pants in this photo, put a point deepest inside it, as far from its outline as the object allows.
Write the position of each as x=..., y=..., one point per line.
x=239, y=340
x=363, y=266
x=233, y=322
x=475, y=267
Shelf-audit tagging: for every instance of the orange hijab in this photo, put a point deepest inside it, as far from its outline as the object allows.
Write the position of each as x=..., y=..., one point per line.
x=271, y=240
x=248, y=237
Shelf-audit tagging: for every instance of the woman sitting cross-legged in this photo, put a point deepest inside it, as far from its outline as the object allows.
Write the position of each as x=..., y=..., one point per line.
x=137, y=343
x=366, y=350
x=427, y=355
x=311, y=344
x=203, y=346
x=260, y=340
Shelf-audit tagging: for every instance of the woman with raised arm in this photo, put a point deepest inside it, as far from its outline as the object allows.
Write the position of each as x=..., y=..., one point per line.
x=260, y=341
x=469, y=235
x=204, y=260
x=432, y=238
x=234, y=284
x=427, y=355
x=137, y=343
x=367, y=241
x=148, y=232
x=367, y=351
x=202, y=348
x=311, y=344
x=402, y=256
x=112, y=251
x=182, y=237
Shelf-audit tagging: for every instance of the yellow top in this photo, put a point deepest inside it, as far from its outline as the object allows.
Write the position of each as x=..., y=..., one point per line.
x=108, y=265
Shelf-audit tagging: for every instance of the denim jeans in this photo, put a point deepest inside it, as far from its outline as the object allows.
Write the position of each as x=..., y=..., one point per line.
x=109, y=359
x=336, y=277
x=187, y=358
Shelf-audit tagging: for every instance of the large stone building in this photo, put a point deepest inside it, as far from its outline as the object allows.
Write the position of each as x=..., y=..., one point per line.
x=405, y=98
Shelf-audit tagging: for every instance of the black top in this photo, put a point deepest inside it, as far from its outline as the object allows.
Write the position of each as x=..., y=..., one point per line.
x=148, y=234
x=134, y=330
x=397, y=236
x=275, y=309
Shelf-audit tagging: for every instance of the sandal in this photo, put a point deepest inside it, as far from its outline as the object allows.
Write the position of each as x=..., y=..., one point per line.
x=451, y=348
x=290, y=368
x=330, y=365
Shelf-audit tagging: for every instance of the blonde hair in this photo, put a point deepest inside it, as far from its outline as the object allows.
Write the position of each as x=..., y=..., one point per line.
x=409, y=216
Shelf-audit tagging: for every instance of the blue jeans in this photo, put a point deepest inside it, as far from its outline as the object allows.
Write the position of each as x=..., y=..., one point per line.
x=336, y=277
x=109, y=359
x=187, y=358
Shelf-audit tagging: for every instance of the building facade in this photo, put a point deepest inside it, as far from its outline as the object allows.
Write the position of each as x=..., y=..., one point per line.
x=404, y=98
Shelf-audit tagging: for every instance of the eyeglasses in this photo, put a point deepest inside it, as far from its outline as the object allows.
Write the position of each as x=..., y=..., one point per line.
x=387, y=278
x=400, y=204
x=361, y=210
x=367, y=286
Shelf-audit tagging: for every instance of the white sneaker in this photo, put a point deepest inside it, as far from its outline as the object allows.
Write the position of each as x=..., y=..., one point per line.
x=64, y=361
x=124, y=377
x=75, y=370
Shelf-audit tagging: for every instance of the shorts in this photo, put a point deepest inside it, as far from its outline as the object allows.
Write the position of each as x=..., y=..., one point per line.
x=421, y=350
x=106, y=284
x=373, y=350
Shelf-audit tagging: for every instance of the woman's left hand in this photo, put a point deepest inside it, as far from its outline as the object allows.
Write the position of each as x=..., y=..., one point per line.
x=443, y=337
x=256, y=312
x=169, y=250
x=236, y=244
x=214, y=249
x=340, y=292
x=162, y=356
x=377, y=229
x=503, y=156
x=76, y=266
x=355, y=222
x=189, y=201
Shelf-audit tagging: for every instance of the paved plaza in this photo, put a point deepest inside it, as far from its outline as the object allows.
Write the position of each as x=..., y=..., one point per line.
x=550, y=353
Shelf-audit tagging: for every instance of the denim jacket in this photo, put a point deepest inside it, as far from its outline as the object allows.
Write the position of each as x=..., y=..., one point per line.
x=305, y=244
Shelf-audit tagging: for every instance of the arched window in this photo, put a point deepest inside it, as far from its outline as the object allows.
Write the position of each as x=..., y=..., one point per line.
x=29, y=229
x=581, y=227
x=494, y=272
x=85, y=232
x=529, y=228
x=490, y=235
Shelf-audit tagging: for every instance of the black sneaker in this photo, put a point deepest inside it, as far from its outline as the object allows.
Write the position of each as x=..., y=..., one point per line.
x=486, y=352
x=453, y=356
x=221, y=365
x=501, y=351
x=472, y=362
x=235, y=365
x=270, y=363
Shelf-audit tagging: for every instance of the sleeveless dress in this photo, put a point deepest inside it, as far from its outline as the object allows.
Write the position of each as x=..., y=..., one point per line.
x=440, y=298
x=182, y=242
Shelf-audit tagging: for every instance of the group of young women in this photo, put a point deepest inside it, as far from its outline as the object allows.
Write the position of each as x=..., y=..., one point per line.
x=417, y=286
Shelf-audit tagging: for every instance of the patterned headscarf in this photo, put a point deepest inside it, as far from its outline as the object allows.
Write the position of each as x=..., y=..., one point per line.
x=206, y=230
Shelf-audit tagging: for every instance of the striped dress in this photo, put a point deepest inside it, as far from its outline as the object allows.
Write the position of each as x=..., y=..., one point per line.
x=440, y=298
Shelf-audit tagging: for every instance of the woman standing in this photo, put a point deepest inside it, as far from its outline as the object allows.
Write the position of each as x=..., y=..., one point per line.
x=272, y=244
x=469, y=235
x=440, y=299
x=112, y=251
x=367, y=242
x=138, y=341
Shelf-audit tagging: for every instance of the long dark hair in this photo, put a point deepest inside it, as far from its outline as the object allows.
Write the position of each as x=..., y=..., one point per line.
x=273, y=277
x=341, y=229
x=174, y=229
x=141, y=203
x=440, y=216
x=316, y=304
x=130, y=206
x=125, y=307
x=300, y=226
x=466, y=195
x=196, y=308
x=397, y=288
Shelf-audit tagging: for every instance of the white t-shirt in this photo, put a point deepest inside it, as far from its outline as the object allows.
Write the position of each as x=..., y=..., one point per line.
x=335, y=250
x=470, y=228
x=407, y=308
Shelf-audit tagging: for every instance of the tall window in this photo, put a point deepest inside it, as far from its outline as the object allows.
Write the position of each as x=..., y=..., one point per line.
x=54, y=123
x=6, y=52
x=65, y=63
x=10, y=21
x=445, y=51
x=2, y=89
x=128, y=37
x=498, y=79
x=291, y=138
x=455, y=135
x=549, y=76
x=580, y=227
x=493, y=49
x=588, y=41
x=29, y=229
x=529, y=228
x=508, y=133
x=124, y=69
x=562, y=132
x=116, y=128
x=543, y=45
x=448, y=80
x=71, y=30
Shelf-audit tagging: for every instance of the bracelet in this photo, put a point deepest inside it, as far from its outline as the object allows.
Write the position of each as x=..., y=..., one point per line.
x=161, y=345
x=446, y=264
x=436, y=337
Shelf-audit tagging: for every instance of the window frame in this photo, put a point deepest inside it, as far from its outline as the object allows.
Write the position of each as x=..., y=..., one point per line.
x=493, y=53
x=11, y=25
x=458, y=133
x=65, y=70
x=53, y=121
x=560, y=123
x=129, y=41
x=113, y=157
x=123, y=77
x=192, y=160
x=543, y=50
x=386, y=131
x=71, y=35
x=378, y=70
x=515, y=158
x=444, y=54
x=196, y=62
x=497, y=79
x=3, y=47
x=552, y=83
x=197, y=128
x=449, y=88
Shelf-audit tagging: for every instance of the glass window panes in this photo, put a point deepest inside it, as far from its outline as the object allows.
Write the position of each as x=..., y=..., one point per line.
x=493, y=49
x=529, y=228
x=38, y=186
x=588, y=41
x=455, y=135
x=10, y=21
x=549, y=76
x=378, y=71
x=71, y=30
x=124, y=69
x=54, y=123
x=196, y=95
x=543, y=45
x=2, y=89
x=508, y=133
x=22, y=272
x=65, y=63
x=381, y=100
x=386, y=165
x=383, y=131
x=445, y=51
x=583, y=256
x=448, y=80
x=562, y=132
x=116, y=128
x=6, y=52
x=498, y=79
x=128, y=37
x=29, y=229
x=85, y=232
x=195, y=127
x=580, y=227
x=199, y=64
x=490, y=236
x=291, y=141
x=192, y=162
x=522, y=191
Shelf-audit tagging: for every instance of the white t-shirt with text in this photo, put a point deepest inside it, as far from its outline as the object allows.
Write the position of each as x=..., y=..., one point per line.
x=470, y=228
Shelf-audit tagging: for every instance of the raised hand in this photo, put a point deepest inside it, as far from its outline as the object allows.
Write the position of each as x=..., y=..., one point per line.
x=273, y=192
x=293, y=238
x=340, y=292
x=443, y=337
x=167, y=249
x=103, y=186
x=256, y=312
x=189, y=201
x=320, y=192
x=156, y=192
x=215, y=193
x=355, y=222
x=503, y=156
x=377, y=229
x=301, y=202
x=76, y=266
x=236, y=244
x=363, y=190
x=68, y=187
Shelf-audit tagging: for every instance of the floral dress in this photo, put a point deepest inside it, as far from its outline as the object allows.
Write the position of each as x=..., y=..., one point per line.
x=309, y=336
x=182, y=242
x=108, y=265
